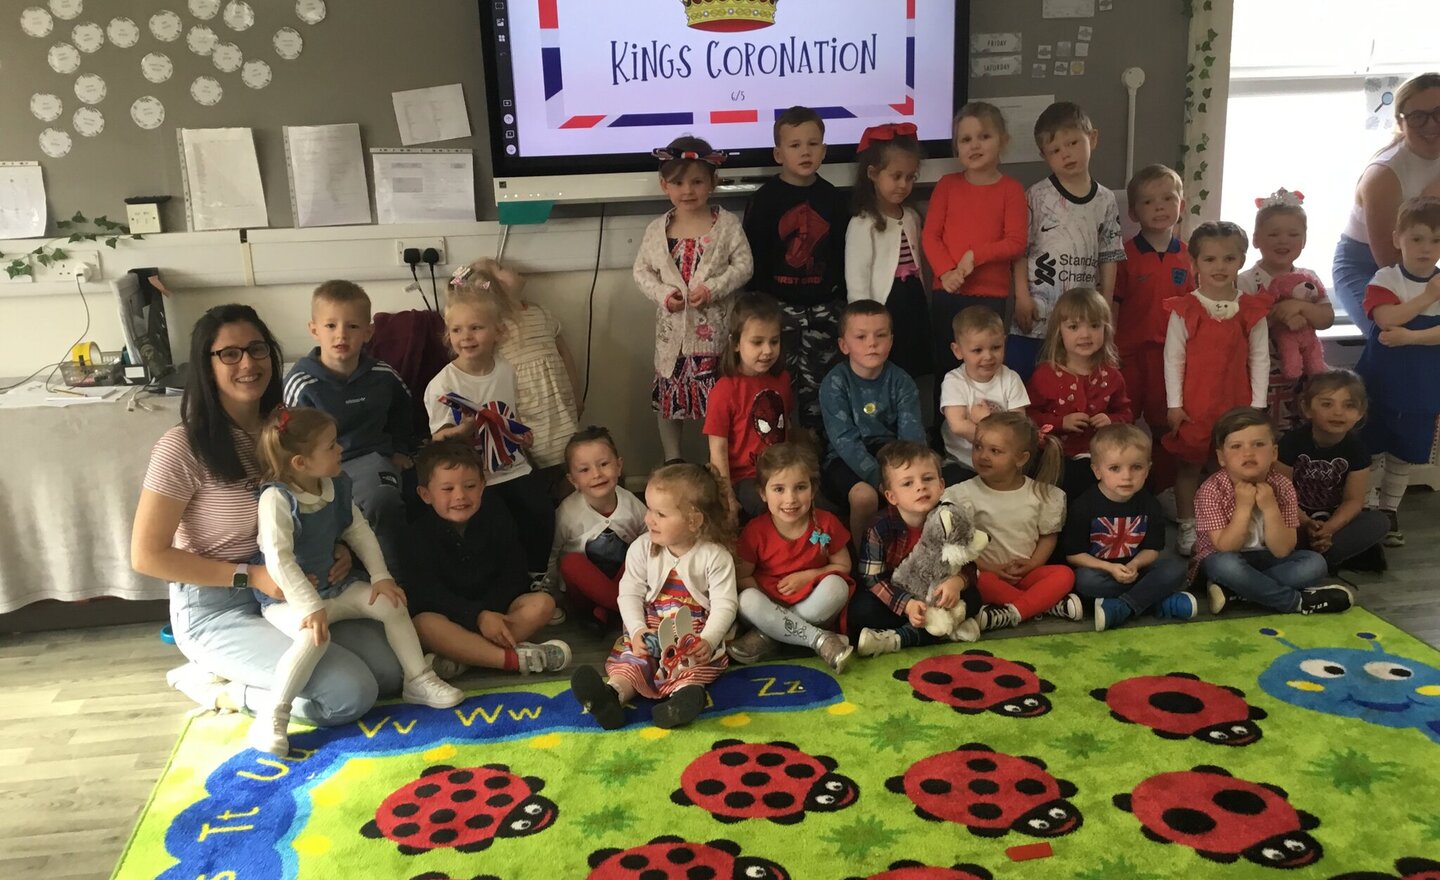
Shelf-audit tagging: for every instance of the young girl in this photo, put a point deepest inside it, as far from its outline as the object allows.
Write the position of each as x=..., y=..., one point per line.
x=1217, y=356
x=681, y=568
x=1077, y=387
x=752, y=403
x=882, y=260
x=1023, y=518
x=596, y=525
x=690, y=260
x=474, y=316
x=305, y=508
x=794, y=564
x=545, y=376
x=1280, y=228
x=1330, y=467
x=975, y=228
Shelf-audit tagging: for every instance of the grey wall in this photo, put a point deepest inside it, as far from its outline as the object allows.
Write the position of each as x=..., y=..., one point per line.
x=366, y=48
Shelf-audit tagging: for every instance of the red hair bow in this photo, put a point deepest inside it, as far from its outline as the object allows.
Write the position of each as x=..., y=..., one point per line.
x=282, y=421
x=887, y=132
x=1043, y=433
x=714, y=159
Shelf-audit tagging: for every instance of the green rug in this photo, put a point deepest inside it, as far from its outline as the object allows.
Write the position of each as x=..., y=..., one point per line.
x=1214, y=749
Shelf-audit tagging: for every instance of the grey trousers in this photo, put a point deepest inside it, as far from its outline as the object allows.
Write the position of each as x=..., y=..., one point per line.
x=377, y=490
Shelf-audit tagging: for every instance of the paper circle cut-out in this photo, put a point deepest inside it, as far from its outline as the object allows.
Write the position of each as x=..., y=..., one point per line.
x=157, y=67
x=67, y=9
x=90, y=88
x=165, y=26
x=88, y=121
x=206, y=91
x=123, y=32
x=200, y=39
x=55, y=143
x=227, y=57
x=288, y=43
x=88, y=37
x=239, y=16
x=257, y=74
x=64, y=58
x=46, y=107
x=204, y=9
x=37, y=22
x=310, y=11
x=147, y=112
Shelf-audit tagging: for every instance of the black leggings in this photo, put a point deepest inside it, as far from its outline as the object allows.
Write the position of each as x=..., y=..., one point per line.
x=527, y=499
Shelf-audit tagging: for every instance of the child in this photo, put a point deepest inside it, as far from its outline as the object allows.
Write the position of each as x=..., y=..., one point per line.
x=305, y=507
x=1023, y=518
x=1156, y=267
x=979, y=387
x=468, y=588
x=690, y=260
x=368, y=401
x=1217, y=356
x=883, y=617
x=795, y=223
x=1074, y=231
x=597, y=524
x=1246, y=517
x=1115, y=532
x=975, y=227
x=1077, y=387
x=751, y=405
x=793, y=565
x=682, y=566
x=1330, y=467
x=1280, y=227
x=882, y=244
x=545, y=376
x=867, y=402
x=474, y=316
x=1401, y=356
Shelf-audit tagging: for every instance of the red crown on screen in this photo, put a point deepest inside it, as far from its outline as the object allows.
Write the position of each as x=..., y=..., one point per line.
x=729, y=15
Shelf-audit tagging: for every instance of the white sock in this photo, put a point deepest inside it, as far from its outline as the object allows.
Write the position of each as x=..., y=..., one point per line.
x=1393, y=480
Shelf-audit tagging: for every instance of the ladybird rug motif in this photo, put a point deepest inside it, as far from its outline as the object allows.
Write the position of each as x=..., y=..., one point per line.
x=1216, y=749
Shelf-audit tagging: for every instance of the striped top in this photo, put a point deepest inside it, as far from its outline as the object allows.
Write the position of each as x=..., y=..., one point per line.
x=906, y=267
x=545, y=399
x=220, y=520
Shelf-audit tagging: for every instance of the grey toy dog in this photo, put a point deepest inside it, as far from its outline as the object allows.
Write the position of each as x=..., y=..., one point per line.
x=948, y=542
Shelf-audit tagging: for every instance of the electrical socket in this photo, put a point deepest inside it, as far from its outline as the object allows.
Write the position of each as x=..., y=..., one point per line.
x=68, y=270
x=419, y=244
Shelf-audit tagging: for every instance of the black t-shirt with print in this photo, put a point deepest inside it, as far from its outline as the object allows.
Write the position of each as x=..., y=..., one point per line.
x=1320, y=473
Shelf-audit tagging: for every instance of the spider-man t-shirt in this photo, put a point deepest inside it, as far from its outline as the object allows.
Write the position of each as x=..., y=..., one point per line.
x=752, y=413
x=1113, y=531
x=1321, y=472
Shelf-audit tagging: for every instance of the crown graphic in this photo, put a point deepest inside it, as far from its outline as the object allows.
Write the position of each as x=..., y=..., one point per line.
x=729, y=16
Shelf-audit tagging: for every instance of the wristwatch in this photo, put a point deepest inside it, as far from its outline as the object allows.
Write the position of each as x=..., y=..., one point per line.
x=241, y=579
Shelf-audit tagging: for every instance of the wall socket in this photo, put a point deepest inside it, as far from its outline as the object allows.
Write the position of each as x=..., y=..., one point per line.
x=67, y=270
x=419, y=244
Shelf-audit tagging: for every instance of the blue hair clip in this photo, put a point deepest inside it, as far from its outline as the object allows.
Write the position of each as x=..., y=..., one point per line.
x=819, y=537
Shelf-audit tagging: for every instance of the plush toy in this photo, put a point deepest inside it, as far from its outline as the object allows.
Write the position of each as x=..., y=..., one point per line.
x=948, y=543
x=1300, y=350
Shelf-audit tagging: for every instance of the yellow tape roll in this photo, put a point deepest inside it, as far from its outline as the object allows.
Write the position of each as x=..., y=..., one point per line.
x=85, y=353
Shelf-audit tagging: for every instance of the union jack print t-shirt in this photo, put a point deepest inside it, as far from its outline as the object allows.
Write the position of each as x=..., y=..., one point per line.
x=1113, y=531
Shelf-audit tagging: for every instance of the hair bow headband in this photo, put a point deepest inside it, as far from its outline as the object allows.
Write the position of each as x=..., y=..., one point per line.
x=1042, y=434
x=282, y=421
x=714, y=158
x=887, y=132
x=464, y=272
x=1281, y=198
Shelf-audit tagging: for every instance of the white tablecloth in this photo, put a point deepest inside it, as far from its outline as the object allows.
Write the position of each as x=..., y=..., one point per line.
x=69, y=482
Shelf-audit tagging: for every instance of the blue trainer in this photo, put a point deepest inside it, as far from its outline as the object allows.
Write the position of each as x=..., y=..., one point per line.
x=1177, y=606
x=1110, y=613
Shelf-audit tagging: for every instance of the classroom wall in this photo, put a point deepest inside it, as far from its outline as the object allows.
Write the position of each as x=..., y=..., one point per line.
x=365, y=48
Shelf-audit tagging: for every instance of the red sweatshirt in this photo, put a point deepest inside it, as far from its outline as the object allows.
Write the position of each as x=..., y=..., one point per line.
x=991, y=220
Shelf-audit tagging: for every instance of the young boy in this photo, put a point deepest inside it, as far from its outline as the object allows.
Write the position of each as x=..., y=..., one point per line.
x=796, y=225
x=1245, y=521
x=1114, y=533
x=1074, y=231
x=1400, y=361
x=867, y=402
x=980, y=386
x=465, y=574
x=369, y=402
x=1156, y=267
x=883, y=618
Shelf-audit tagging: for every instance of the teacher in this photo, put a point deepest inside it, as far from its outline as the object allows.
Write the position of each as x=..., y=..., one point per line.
x=1409, y=167
x=196, y=526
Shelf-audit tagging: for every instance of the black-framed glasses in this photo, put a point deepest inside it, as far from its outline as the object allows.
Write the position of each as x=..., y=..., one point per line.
x=259, y=350
x=1421, y=118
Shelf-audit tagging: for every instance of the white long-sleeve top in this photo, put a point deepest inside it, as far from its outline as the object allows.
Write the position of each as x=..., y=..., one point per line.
x=1176, y=337
x=577, y=523
x=277, y=542
x=872, y=254
x=707, y=570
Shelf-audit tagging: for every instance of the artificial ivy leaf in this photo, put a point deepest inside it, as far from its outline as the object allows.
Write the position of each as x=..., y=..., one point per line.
x=111, y=242
x=43, y=259
x=63, y=224
x=78, y=218
x=78, y=236
x=58, y=254
x=137, y=238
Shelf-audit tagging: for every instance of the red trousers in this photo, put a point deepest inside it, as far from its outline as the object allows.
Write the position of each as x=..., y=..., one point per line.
x=589, y=583
x=1036, y=593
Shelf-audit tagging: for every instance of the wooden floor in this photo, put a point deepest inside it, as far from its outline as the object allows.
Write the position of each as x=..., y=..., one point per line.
x=88, y=722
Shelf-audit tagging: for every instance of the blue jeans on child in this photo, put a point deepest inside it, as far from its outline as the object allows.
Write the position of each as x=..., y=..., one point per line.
x=1162, y=577
x=1261, y=577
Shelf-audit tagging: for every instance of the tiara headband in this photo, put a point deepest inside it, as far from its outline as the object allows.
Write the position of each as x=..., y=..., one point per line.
x=714, y=159
x=887, y=132
x=1281, y=198
x=464, y=272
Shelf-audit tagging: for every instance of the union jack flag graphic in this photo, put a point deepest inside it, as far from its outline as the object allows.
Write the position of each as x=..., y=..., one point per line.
x=1117, y=537
x=497, y=435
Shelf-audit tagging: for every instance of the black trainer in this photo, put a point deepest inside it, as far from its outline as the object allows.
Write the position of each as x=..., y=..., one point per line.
x=598, y=698
x=683, y=707
x=1327, y=599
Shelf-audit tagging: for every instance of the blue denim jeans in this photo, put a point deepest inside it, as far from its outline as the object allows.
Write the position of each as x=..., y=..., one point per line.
x=1261, y=577
x=1162, y=577
x=220, y=629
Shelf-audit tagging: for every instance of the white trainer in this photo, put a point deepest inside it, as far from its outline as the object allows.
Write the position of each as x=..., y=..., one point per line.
x=427, y=689
x=269, y=732
x=550, y=656
x=874, y=642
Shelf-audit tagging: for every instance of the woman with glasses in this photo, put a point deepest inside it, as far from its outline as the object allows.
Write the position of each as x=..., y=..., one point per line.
x=196, y=527
x=1408, y=167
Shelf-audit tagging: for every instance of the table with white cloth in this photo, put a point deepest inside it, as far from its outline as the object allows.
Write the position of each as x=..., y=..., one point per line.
x=70, y=478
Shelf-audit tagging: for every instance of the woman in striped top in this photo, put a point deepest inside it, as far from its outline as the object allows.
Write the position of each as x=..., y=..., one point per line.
x=196, y=525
